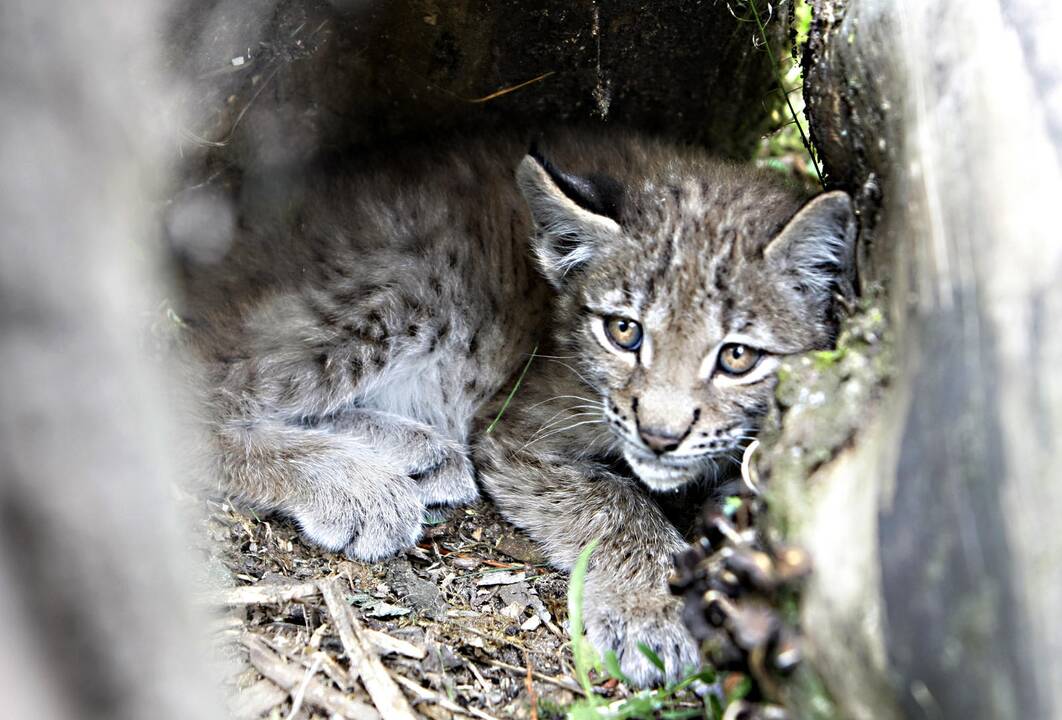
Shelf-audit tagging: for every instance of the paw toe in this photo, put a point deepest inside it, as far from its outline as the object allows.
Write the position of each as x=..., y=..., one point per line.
x=624, y=633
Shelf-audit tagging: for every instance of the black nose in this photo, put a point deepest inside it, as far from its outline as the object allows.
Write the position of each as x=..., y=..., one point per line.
x=659, y=441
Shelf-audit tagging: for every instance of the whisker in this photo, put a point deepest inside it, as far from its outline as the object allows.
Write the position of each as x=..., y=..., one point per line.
x=547, y=425
x=560, y=430
x=594, y=408
x=560, y=397
x=577, y=373
x=598, y=438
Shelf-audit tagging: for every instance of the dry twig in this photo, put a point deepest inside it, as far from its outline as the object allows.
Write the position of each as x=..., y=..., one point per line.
x=290, y=678
x=561, y=682
x=531, y=688
x=385, y=644
x=442, y=701
x=261, y=594
x=385, y=694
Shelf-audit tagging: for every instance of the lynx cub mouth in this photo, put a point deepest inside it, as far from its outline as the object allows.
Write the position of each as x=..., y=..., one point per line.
x=356, y=357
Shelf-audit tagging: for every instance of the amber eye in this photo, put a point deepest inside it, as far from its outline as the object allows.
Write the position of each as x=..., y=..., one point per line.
x=624, y=334
x=737, y=359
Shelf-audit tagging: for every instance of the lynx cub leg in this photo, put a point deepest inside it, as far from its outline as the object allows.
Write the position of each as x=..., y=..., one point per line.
x=359, y=483
x=627, y=601
x=440, y=467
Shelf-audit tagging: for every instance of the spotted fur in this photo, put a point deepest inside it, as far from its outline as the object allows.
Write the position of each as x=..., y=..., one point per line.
x=356, y=356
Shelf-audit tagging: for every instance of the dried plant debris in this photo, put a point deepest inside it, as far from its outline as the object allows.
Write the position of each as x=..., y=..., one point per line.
x=740, y=594
x=467, y=624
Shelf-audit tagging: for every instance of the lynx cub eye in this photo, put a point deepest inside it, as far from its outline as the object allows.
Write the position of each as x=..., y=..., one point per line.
x=624, y=334
x=737, y=359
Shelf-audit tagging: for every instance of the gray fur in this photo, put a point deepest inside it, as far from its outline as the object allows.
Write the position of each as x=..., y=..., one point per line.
x=352, y=382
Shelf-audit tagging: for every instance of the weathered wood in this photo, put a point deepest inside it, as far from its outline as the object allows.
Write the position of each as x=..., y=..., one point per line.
x=939, y=567
x=313, y=76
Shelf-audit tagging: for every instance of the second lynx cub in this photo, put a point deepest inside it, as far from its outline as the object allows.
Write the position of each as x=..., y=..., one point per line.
x=356, y=352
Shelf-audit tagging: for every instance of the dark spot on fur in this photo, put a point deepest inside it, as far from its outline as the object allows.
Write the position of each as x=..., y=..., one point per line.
x=356, y=296
x=727, y=311
x=324, y=315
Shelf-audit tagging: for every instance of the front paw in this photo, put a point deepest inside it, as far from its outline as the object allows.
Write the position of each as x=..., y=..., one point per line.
x=620, y=621
x=449, y=480
x=371, y=525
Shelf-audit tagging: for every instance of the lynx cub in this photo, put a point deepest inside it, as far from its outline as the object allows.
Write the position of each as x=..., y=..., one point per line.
x=356, y=353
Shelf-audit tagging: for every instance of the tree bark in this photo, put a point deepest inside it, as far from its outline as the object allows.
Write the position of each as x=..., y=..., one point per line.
x=939, y=563
x=276, y=81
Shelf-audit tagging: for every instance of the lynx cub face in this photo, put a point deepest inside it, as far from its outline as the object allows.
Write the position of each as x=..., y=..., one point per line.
x=676, y=299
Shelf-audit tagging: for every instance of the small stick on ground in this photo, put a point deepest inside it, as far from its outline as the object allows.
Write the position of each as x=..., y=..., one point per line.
x=385, y=644
x=260, y=594
x=290, y=677
x=385, y=694
x=531, y=688
x=442, y=701
x=558, y=681
x=299, y=695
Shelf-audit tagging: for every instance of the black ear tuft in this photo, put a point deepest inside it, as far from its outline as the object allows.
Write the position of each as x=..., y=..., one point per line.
x=599, y=194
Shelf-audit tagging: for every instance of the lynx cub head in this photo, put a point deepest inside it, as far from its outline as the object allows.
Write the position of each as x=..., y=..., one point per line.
x=681, y=281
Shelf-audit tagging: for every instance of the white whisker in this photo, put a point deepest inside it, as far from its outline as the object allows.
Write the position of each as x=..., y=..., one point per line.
x=561, y=397
x=560, y=430
x=554, y=423
x=577, y=373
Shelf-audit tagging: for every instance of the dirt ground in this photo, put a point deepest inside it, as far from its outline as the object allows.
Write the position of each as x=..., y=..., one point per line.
x=472, y=616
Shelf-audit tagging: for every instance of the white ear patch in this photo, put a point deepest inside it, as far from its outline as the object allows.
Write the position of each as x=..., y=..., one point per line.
x=818, y=243
x=567, y=235
x=549, y=203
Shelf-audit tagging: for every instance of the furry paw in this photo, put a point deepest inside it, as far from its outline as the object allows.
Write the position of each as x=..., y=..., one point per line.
x=620, y=621
x=374, y=524
x=449, y=481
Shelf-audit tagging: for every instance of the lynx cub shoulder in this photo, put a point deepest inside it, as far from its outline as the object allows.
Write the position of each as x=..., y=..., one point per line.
x=355, y=354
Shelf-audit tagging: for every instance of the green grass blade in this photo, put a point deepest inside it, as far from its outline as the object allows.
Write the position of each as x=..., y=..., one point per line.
x=581, y=649
x=509, y=399
x=781, y=87
x=653, y=657
x=614, y=669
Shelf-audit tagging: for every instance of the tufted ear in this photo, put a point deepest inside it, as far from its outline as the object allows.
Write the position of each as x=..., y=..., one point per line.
x=572, y=214
x=817, y=246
